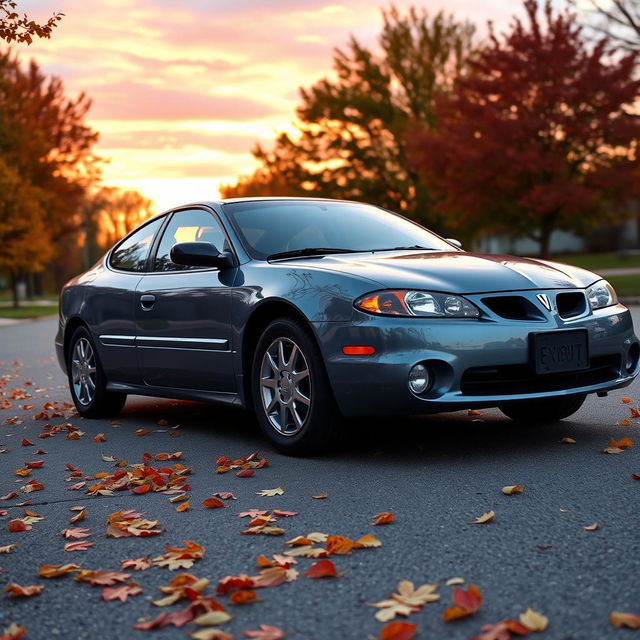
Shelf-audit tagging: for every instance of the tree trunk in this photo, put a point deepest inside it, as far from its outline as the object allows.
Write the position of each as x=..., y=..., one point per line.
x=14, y=290
x=547, y=227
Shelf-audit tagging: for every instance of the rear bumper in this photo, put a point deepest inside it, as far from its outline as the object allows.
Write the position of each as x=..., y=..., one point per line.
x=475, y=363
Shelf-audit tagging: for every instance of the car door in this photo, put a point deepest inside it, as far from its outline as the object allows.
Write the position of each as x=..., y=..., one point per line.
x=109, y=303
x=183, y=313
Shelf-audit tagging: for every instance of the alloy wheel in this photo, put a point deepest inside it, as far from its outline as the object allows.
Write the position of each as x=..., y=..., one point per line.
x=83, y=371
x=285, y=386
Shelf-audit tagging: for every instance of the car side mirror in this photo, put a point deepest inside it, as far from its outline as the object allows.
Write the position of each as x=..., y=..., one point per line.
x=454, y=242
x=199, y=254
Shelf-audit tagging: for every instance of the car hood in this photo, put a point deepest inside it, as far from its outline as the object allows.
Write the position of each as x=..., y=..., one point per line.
x=455, y=271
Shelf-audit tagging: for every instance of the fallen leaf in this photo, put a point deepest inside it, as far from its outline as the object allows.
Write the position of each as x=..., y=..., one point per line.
x=18, y=525
x=320, y=496
x=628, y=620
x=454, y=581
x=568, y=441
x=78, y=532
x=367, y=541
x=183, y=507
x=339, y=545
x=271, y=492
x=81, y=515
x=485, y=518
x=613, y=450
x=245, y=473
x=244, y=596
x=398, y=631
x=465, y=603
x=210, y=634
x=27, y=443
x=135, y=564
x=592, y=527
x=266, y=632
x=635, y=476
x=180, y=557
x=13, y=632
x=121, y=592
x=18, y=591
x=624, y=423
x=124, y=524
x=101, y=578
x=225, y=495
x=81, y=545
x=502, y=630
x=212, y=503
x=142, y=432
x=534, y=620
x=623, y=443
x=99, y=437
x=322, y=569
x=57, y=570
x=212, y=618
x=511, y=489
x=7, y=548
x=625, y=400
x=385, y=517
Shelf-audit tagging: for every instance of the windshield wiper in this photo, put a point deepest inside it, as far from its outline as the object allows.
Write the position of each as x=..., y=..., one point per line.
x=415, y=246
x=308, y=251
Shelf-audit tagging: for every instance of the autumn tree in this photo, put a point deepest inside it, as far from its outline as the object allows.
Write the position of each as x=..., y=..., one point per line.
x=351, y=141
x=24, y=237
x=109, y=213
x=619, y=20
x=538, y=136
x=15, y=27
x=44, y=138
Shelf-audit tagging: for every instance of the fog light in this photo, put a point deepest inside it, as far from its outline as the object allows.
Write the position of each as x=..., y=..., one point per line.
x=419, y=379
x=631, y=361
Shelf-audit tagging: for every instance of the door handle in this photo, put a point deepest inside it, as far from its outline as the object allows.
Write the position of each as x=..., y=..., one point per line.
x=147, y=301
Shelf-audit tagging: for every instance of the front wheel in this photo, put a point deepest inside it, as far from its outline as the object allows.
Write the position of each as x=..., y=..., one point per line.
x=87, y=381
x=544, y=410
x=292, y=397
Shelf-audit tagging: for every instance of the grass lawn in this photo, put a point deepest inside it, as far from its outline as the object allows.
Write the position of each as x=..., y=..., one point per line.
x=596, y=261
x=28, y=312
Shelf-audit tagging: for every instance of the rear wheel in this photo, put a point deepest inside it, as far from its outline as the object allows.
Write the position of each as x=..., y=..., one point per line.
x=292, y=397
x=544, y=410
x=87, y=381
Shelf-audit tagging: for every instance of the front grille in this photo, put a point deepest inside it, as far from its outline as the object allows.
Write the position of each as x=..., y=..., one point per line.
x=571, y=304
x=513, y=307
x=514, y=379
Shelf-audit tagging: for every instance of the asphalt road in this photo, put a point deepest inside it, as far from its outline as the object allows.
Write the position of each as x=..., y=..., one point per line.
x=435, y=473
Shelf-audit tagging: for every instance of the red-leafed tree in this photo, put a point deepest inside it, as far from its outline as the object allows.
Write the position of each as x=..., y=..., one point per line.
x=538, y=135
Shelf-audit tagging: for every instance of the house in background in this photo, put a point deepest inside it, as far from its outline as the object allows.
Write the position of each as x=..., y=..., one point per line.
x=621, y=237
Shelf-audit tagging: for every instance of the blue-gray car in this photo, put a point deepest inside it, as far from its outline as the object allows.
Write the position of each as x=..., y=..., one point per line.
x=305, y=310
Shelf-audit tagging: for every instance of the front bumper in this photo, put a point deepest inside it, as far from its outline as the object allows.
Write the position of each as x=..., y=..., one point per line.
x=475, y=362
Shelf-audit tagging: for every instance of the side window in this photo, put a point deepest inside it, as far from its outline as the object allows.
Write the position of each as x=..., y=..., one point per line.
x=195, y=225
x=132, y=253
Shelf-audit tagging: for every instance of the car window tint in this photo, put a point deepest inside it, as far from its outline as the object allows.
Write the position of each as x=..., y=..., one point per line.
x=273, y=226
x=131, y=254
x=195, y=225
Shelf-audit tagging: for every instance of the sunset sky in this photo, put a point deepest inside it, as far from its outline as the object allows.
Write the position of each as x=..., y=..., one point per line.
x=183, y=89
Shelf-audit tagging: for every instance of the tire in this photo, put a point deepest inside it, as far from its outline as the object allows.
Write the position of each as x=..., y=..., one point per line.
x=545, y=410
x=87, y=381
x=292, y=397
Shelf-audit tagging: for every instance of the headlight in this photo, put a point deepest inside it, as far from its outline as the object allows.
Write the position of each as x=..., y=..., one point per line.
x=417, y=303
x=601, y=294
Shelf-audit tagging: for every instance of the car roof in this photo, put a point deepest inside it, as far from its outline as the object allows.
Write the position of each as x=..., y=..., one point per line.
x=214, y=203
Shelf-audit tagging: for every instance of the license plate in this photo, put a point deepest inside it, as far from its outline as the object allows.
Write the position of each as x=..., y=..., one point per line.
x=560, y=351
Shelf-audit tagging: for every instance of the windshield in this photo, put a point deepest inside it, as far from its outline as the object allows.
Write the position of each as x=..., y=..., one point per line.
x=271, y=227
